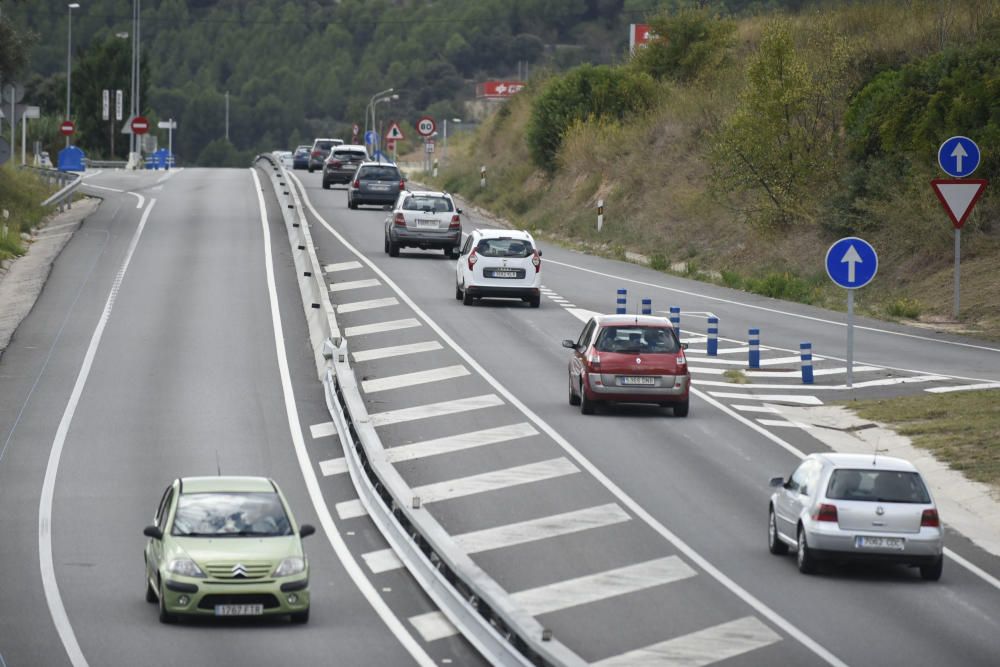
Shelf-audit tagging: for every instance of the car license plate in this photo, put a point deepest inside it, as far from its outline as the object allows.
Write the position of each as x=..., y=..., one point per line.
x=872, y=542
x=503, y=274
x=644, y=379
x=379, y=188
x=239, y=609
x=427, y=223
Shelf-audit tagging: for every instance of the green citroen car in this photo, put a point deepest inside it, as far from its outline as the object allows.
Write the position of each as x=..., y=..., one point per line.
x=226, y=546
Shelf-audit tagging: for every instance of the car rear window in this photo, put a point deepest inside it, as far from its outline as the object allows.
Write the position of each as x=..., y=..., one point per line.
x=427, y=204
x=341, y=154
x=504, y=247
x=324, y=145
x=637, y=340
x=884, y=486
x=223, y=514
x=379, y=174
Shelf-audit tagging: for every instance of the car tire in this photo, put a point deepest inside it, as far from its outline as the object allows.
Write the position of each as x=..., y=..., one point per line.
x=804, y=557
x=535, y=301
x=326, y=186
x=932, y=572
x=453, y=253
x=350, y=204
x=311, y=170
x=393, y=249
x=300, y=617
x=774, y=543
x=466, y=298
x=151, y=596
x=165, y=616
x=458, y=292
x=385, y=245
x=586, y=405
x=573, y=398
x=681, y=409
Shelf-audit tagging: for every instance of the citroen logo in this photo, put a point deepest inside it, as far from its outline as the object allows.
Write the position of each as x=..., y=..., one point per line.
x=880, y=510
x=239, y=570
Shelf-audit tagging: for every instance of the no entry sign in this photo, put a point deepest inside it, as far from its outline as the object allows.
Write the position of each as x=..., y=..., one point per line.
x=140, y=125
x=67, y=127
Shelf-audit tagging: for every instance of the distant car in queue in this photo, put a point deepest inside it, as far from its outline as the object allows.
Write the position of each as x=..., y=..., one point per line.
x=300, y=159
x=342, y=163
x=375, y=183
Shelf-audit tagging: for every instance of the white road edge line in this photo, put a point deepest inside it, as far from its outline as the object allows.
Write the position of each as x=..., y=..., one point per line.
x=587, y=465
x=51, y=587
x=309, y=474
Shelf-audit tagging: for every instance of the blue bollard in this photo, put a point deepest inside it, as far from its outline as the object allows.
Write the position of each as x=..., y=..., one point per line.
x=755, y=348
x=620, y=309
x=647, y=306
x=805, y=352
x=675, y=319
x=713, y=336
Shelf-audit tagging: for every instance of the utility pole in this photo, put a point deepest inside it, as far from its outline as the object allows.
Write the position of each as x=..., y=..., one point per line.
x=227, y=115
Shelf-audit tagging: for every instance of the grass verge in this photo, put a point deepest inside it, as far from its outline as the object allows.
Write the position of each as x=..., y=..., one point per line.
x=960, y=428
x=20, y=195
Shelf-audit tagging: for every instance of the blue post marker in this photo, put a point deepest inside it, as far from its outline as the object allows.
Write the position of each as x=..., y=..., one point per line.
x=675, y=319
x=806, y=353
x=647, y=306
x=755, y=348
x=620, y=309
x=713, y=336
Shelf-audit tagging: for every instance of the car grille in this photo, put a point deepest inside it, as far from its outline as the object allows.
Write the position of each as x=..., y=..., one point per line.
x=250, y=570
x=266, y=599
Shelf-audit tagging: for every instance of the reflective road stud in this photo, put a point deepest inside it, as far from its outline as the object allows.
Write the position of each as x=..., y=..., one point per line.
x=647, y=306
x=754, y=348
x=713, y=336
x=621, y=304
x=675, y=319
x=805, y=352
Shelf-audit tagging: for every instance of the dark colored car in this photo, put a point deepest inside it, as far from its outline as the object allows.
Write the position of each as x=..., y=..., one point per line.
x=343, y=161
x=300, y=160
x=319, y=152
x=375, y=183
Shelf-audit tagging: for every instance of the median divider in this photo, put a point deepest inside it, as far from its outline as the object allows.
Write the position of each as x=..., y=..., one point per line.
x=473, y=601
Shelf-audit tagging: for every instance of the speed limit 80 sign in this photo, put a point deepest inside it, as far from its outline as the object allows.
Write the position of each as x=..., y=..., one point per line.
x=426, y=126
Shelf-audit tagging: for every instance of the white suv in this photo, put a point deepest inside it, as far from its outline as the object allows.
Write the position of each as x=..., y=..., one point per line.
x=501, y=263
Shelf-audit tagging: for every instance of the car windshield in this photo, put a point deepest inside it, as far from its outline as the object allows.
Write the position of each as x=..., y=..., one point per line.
x=504, y=247
x=637, y=340
x=427, y=204
x=379, y=174
x=222, y=514
x=883, y=486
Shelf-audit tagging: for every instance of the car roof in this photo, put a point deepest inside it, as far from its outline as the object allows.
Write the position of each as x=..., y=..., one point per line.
x=503, y=233
x=376, y=163
x=866, y=461
x=226, y=483
x=428, y=193
x=618, y=320
x=356, y=147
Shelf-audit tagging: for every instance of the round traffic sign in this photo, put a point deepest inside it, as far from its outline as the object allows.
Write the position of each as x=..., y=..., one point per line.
x=67, y=127
x=851, y=262
x=140, y=125
x=426, y=126
x=958, y=156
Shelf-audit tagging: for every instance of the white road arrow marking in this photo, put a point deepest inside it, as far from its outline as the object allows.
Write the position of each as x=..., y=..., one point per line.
x=851, y=257
x=958, y=154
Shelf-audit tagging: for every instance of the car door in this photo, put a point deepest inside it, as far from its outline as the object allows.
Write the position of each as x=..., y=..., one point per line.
x=791, y=498
x=154, y=548
x=578, y=361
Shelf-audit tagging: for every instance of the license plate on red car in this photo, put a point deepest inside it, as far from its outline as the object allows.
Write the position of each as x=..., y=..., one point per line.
x=637, y=380
x=239, y=609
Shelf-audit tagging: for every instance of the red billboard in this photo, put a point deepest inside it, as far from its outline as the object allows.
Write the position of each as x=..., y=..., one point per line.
x=498, y=88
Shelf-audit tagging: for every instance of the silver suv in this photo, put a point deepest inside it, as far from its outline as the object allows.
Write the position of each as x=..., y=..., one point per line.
x=423, y=220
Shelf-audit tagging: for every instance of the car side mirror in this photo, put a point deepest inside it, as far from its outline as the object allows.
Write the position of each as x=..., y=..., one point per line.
x=684, y=346
x=153, y=531
x=539, y=252
x=777, y=481
x=459, y=211
x=306, y=529
x=569, y=343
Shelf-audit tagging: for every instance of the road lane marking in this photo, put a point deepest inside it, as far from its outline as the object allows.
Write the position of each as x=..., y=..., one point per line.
x=336, y=466
x=355, y=306
x=756, y=408
x=816, y=371
x=396, y=351
x=383, y=560
x=333, y=536
x=542, y=528
x=707, y=371
x=412, y=379
x=833, y=387
x=773, y=398
x=355, y=284
x=456, y=443
x=700, y=648
x=967, y=387
x=435, y=410
x=101, y=187
x=60, y=619
x=341, y=266
x=784, y=423
x=350, y=509
x=581, y=590
x=495, y=480
x=381, y=327
x=324, y=430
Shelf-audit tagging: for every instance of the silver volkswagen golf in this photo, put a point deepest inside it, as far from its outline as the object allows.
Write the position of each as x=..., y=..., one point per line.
x=839, y=507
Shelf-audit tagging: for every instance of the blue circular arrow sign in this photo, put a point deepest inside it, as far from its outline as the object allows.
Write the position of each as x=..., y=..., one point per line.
x=958, y=157
x=851, y=262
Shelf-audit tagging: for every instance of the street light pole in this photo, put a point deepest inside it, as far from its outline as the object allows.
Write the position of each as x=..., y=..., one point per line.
x=69, y=54
x=371, y=106
x=387, y=98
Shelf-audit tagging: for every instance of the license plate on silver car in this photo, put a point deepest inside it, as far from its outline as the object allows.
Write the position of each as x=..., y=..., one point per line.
x=239, y=609
x=427, y=223
x=878, y=542
x=642, y=379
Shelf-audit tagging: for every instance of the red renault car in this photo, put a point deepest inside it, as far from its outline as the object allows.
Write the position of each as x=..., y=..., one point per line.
x=628, y=359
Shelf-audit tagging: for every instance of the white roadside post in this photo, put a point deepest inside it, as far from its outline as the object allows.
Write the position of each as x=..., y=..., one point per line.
x=600, y=214
x=29, y=112
x=482, y=176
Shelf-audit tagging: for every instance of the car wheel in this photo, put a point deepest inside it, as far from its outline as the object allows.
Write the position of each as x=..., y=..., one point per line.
x=150, y=592
x=300, y=617
x=466, y=298
x=774, y=543
x=458, y=292
x=393, y=249
x=385, y=245
x=326, y=186
x=454, y=254
x=932, y=572
x=586, y=405
x=350, y=204
x=573, y=398
x=535, y=301
x=165, y=616
x=804, y=557
x=311, y=170
x=681, y=409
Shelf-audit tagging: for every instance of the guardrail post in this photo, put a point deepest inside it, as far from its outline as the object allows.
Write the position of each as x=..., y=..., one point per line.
x=647, y=306
x=620, y=307
x=805, y=352
x=754, y=348
x=675, y=319
x=713, y=336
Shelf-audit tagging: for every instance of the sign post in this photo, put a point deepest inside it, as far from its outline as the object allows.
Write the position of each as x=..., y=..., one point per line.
x=29, y=112
x=851, y=263
x=169, y=125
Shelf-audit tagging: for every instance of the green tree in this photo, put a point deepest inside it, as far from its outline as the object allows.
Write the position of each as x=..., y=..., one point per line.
x=14, y=48
x=687, y=45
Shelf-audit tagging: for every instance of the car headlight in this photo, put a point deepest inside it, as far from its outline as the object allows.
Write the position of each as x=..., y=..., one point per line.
x=290, y=566
x=185, y=567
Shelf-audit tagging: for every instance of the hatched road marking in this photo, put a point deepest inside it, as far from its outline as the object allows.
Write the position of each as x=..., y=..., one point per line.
x=412, y=379
x=333, y=466
x=381, y=327
x=341, y=266
x=355, y=306
x=435, y=410
x=496, y=480
x=772, y=398
x=323, y=430
x=354, y=284
x=396, y=351
x=455, y=443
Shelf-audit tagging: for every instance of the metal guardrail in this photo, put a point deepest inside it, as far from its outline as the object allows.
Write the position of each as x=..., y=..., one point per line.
x=105, y=164
x=64, y=197
x=476, y=604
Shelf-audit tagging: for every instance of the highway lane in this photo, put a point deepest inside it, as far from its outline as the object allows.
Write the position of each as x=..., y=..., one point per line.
x=703, y=478
x=184, y=381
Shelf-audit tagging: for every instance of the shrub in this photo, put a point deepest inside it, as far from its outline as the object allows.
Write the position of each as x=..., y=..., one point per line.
x=688, y=44
x=784, y=286
x=904, y=307
x=658, y=262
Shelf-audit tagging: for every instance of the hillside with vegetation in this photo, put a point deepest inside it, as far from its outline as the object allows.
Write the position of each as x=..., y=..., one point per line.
x=736, y=150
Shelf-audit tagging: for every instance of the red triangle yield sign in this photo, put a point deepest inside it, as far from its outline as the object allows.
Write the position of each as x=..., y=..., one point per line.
x=958, y=196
